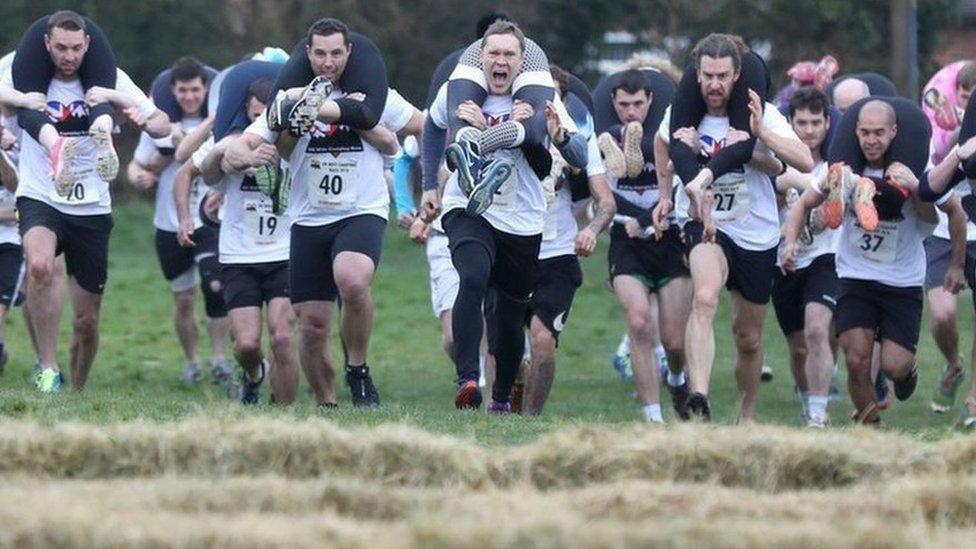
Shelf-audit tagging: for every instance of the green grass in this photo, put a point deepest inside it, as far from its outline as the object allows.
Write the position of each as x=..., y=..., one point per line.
x=136, y=371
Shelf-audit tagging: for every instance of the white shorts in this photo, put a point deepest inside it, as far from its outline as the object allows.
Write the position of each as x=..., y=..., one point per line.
x=444, y=279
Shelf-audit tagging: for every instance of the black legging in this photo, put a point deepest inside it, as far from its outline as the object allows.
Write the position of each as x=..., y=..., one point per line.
x=689, y=107
x=910, y=147
x=605, y=116
x=33, y=70
x=161, y=93
x=575, y=86
x=365, y=73
x=231, y=115
x=441, y=74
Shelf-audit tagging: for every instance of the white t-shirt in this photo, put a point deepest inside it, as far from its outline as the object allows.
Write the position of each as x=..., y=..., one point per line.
x=250, y=232
x=165, y=217
x=8, y=232
x=823, y=243
x=68, y=112
x=519, y=206
x=745, y=206
x=337, y=174
x=559, y=231
x=893, y=254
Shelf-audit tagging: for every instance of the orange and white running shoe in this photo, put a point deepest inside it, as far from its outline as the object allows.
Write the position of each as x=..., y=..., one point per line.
x=833, y=186
x=867, y=214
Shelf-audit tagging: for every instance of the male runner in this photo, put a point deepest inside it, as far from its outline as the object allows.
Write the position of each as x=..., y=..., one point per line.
x=881, y=271
x=181, y=265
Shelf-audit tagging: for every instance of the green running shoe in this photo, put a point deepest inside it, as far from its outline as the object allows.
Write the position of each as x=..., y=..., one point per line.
x=276, y=183
x=944, y=395
x=49, y=381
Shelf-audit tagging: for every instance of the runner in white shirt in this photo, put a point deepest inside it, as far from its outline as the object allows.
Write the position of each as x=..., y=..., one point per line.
x=882, y=271
x=184, y=268
x=73, y=219
x=735, y=242
x=494, y=242
x=804, y=299
x=338, y=205
x=253, y=246
x=562, y=242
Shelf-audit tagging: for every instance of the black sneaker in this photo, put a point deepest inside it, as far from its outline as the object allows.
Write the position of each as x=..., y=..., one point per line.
x=462, y=157
x=494, y=174
x=361, y=387
x=905, y=387
x=251, y=388
x=679, y=399
x=698, y=406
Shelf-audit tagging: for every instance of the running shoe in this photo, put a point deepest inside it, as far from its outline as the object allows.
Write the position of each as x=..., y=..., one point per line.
x=62, y=156
x=299, y=115
x=633, y=133
x=882, y=392
x=500, y=408
x=221, y=372
x=463, y=158
x=613, y=157
x=36, y=370
x=106, y=160
x=276, y=184
x=944, y=395
x=767, y=374
x=495, y=173
x=816, y=421
x=49, y=381
x=864, y=209
x=251, y=388
x=966, y=420
x=364, y=393
x=699, y=407
x=623, y=366
x=905, y=387
x=468, y=396
x=833, y=187
x=679, y=399
x=191, y=373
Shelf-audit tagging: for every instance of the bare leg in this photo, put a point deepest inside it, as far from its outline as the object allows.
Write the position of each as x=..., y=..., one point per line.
x=84, y=339
x=709, y=270
x=284, y=376
x=747, y=326
x=185, y=322
x=353, y=275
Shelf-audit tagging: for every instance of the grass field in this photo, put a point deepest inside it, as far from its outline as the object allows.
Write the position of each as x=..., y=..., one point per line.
x=138, y=459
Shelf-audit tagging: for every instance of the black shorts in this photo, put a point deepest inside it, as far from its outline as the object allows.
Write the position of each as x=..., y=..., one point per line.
x=253, y=284
x=938, y=255
x=175, y=259
x=653, y=262
x=12, y=272
x=815, y=283
x=514, y=258
x=314, y=250
x=893, y=313
x=552, y=299
x=83, y=239
x=750, y=272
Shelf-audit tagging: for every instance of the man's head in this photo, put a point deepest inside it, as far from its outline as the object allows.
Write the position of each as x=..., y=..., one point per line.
x=188, y=80
x=67, y=41
x=502, y=54
x=876, y=127
x=632, y=96
x=718, y=58
x=965, y=82
x=328, y=47
x=849, y=91
x=257, y=96
x=560, y=78
x=809, y=117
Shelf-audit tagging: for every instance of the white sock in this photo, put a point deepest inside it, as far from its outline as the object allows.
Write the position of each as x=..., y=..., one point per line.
x=652, y=413
x=624, y=347
x=676, y=379
x=817, y=405
x=660, y=354
x=481, y=372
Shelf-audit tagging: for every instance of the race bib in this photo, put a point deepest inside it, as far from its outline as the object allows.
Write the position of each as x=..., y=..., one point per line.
x=83, y=193
x=879, y=246
x=731, y=198
x=260, y=223
x=332, y=182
